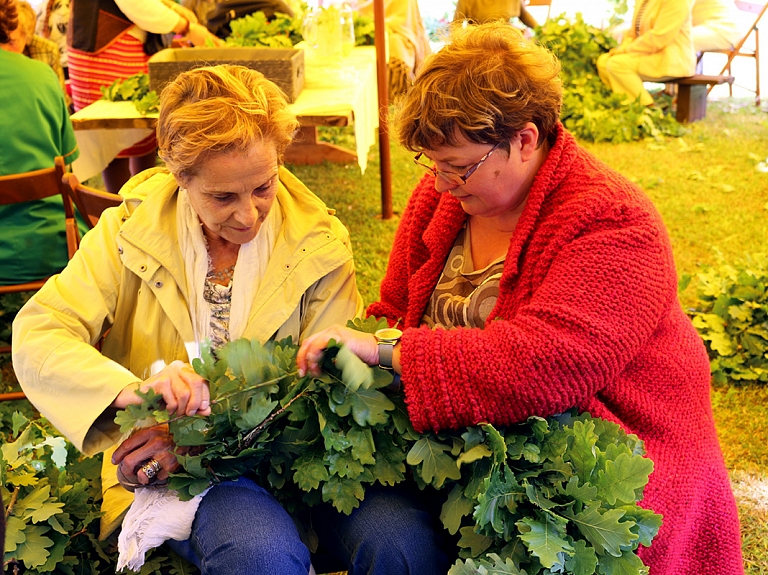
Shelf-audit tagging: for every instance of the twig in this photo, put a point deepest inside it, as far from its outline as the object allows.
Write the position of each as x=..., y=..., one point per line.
x=261, y=426
x=224, y=397
x=12, y=502
x=257, y=386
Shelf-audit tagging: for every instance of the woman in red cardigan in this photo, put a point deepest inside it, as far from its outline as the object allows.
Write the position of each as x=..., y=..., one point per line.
x=528, y=278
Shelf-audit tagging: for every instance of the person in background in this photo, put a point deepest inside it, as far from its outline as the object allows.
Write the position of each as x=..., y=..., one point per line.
x=37, y=47
x=657, y=47
x=407, y=40
x=35, y=128
x=52, y=23
x=107, y=43
x=224, y=243
x=479, y=11
x=528, y=278
x=714, y=25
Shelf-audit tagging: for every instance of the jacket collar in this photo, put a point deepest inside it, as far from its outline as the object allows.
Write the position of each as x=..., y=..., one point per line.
x=307, y=247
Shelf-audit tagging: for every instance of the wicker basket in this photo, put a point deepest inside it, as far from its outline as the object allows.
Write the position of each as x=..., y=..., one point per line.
x=284, y=66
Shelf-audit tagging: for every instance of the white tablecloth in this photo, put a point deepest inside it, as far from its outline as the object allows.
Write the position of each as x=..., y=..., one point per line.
x=327, y=92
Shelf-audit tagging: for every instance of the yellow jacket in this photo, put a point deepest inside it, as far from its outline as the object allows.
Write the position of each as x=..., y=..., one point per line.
x=487, y=10
x=128, y=278
x=664, y=44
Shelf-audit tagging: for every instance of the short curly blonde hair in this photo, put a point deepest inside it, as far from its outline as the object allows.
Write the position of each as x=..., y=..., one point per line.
x=486, y=83
x=219, y=109
x=9, y=19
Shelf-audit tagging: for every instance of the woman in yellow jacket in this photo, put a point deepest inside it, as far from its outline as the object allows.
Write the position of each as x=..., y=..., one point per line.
x=658, y=47
x=228, y=244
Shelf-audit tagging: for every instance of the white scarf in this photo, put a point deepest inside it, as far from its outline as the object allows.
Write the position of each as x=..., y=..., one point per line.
x=252, y=261
x=157, y=515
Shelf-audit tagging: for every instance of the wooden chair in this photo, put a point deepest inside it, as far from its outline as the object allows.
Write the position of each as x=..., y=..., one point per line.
x=36, y=185
x=742, y=48
x=90, y=202
x=12, y=396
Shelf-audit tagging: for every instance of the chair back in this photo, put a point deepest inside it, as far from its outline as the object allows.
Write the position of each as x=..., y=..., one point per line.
x=758, y=8
x=754, y=7
x=37, y=185
x=90, y=202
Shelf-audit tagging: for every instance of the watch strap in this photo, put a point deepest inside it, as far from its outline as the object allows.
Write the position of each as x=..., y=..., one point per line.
x=386, y=351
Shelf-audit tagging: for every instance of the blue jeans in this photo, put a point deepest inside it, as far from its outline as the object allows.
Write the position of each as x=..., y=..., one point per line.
x=241, y=529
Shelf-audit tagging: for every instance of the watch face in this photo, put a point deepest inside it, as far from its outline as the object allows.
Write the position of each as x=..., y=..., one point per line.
x=388, y=334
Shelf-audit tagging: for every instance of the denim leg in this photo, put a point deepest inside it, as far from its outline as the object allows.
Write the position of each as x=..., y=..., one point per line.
x=392, y=533
x=241, y=529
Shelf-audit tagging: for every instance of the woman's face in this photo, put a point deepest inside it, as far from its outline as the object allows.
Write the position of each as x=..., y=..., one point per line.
x=233, y=192
x=500, y=185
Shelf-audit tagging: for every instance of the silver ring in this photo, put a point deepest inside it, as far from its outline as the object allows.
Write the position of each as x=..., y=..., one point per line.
x=151, y=468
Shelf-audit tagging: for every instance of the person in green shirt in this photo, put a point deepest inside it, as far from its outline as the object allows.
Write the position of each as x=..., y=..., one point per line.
x=36, y=128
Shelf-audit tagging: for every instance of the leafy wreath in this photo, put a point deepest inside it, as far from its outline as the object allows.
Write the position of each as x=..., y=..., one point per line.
x=550, y=495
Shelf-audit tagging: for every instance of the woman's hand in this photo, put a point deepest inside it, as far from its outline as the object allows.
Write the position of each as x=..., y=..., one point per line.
x=142, y=446
x=183, y=390
x=199, y=35
x=184, y=12
x=310, y=354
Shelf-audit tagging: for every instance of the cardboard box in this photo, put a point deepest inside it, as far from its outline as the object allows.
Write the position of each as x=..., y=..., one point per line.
x=284, y=66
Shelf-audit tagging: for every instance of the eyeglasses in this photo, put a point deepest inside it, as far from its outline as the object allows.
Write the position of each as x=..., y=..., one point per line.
x=453, y=177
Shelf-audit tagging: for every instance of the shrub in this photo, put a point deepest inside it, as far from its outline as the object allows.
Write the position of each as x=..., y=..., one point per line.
x=591, y=111
x=732, y=318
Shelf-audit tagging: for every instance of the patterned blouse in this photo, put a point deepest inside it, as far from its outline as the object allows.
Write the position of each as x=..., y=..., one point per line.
x=463, y=296
x=219, y=297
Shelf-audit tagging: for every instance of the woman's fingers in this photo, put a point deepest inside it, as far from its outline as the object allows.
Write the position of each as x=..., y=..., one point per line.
x=310, y=354
x=183, y=390
x=199, y=401
x=145, y=445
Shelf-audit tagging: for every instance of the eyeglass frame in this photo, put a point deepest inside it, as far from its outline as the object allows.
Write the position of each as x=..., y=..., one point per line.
x=453, y=177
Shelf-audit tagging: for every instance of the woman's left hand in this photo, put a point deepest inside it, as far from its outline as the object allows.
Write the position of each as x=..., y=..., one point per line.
x=198, y=35
x=184, y=12
x=145, y=445
x=310, y=354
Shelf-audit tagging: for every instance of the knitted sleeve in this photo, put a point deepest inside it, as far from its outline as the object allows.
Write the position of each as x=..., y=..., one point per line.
x=598, y=300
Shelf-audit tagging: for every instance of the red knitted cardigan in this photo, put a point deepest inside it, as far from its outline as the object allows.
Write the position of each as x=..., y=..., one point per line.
x=587, y=316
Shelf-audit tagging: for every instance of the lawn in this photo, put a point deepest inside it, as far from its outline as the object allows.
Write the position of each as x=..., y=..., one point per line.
x=709, y=188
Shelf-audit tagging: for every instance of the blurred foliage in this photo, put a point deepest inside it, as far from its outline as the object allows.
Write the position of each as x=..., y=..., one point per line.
x=591, y=111
x=134, y=89
x=732, y=319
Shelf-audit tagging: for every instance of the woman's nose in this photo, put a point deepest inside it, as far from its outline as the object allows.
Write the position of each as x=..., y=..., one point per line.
x=443, y=185
x=247, y=214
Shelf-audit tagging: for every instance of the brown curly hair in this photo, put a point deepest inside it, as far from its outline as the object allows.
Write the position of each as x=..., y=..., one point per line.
x=486, y=83
x=219, y=109
x=9, y=20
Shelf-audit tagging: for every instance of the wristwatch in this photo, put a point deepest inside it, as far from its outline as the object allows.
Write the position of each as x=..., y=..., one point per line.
x=387, y=339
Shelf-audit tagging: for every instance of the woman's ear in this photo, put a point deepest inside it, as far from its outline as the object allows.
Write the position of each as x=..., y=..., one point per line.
x=528, y=141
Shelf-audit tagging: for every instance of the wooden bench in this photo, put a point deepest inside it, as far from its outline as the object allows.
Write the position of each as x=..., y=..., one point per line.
x=692, y=95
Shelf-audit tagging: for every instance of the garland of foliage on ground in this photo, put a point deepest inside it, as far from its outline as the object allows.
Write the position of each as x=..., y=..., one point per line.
x=549, y=495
